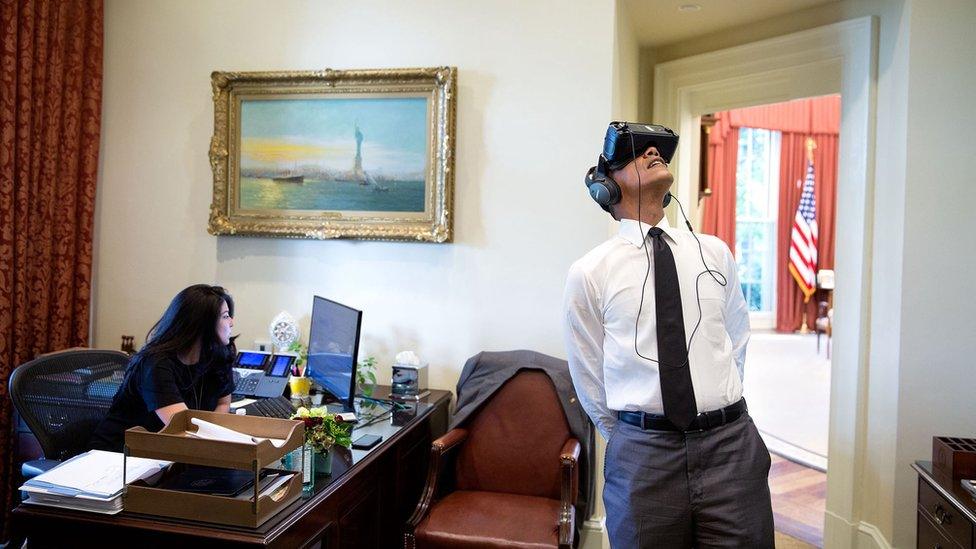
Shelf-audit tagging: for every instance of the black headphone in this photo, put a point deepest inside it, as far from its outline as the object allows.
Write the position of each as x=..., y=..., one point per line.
x=604, y=190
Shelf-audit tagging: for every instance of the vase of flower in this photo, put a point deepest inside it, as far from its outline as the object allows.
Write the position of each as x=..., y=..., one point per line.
x=323, y=462
x=323, y=431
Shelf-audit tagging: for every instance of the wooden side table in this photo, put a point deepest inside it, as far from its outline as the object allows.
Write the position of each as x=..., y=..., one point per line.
x=946, y=512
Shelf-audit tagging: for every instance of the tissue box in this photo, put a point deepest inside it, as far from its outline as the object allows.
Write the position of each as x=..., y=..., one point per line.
x=409, y=381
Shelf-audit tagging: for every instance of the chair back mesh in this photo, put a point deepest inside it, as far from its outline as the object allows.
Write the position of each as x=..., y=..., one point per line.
x=63, y=396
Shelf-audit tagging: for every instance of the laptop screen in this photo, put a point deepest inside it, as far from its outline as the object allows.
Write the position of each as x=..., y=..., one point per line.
x=281, y=365
x=333, y=346
x=251, y=359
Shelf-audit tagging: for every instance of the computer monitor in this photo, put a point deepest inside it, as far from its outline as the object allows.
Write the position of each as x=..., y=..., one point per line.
x=333, y=346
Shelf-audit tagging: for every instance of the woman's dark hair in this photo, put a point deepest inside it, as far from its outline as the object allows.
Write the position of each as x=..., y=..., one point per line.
x=192, y=316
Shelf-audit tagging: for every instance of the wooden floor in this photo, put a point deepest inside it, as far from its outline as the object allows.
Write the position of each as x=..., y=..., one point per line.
x=799, y=496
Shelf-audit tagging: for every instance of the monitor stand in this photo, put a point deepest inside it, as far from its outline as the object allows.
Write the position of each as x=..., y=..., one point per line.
x=333, y=404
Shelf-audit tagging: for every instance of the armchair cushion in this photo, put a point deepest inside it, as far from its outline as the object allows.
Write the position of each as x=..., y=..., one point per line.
x=468, y=519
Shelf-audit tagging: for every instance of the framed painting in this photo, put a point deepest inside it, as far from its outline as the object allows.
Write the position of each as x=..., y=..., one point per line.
x=365, y=154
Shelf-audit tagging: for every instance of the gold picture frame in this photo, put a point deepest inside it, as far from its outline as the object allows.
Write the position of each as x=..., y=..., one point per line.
x=334, y=154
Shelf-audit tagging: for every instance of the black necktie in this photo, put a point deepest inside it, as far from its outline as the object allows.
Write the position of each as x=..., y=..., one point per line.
x=676, y=389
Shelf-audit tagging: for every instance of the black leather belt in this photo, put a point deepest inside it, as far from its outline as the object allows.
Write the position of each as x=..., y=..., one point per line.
x=702, y=422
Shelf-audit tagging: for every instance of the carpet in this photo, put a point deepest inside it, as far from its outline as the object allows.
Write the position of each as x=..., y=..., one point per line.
x=787, y=385
x=786, y=542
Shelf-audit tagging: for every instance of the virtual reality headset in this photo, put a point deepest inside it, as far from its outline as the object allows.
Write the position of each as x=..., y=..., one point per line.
x=628, y=140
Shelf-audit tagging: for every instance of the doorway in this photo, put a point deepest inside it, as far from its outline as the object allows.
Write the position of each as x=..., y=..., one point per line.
x=768, y=190
x=834, y=59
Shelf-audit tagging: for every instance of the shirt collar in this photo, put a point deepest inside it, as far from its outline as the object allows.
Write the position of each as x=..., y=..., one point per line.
x=635, y=232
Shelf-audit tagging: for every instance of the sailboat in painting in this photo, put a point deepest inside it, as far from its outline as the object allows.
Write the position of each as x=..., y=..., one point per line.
x=297, y=179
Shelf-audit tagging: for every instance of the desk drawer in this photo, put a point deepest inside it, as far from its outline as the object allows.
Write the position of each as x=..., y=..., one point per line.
x=940, y=512
x=930, y=537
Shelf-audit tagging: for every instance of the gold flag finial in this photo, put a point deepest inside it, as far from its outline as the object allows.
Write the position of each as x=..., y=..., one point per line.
x=811, y=144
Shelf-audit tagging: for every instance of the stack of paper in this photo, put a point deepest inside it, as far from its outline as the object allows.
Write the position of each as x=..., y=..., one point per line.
x=90, y=482
x=212, y=431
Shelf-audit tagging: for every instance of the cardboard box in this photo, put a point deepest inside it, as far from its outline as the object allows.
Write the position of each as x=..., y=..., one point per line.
x=174, y=444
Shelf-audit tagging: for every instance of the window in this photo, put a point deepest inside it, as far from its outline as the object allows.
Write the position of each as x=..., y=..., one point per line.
x=757, y=192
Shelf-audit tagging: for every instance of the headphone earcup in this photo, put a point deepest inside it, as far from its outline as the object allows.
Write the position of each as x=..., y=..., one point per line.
x=603, y=189
x=667, y=199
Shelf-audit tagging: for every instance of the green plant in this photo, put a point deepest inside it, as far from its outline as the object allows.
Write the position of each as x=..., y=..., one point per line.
x=366, y=375
x=323, y=430
x=300, y=350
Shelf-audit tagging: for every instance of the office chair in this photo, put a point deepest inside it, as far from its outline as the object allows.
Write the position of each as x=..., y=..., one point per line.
x=62, y=397
x=514, y=480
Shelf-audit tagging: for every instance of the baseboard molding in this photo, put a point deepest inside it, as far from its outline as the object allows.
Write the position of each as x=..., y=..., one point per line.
x=794, y=453
x=841, y=534
x=594, y=534
x=869, y=537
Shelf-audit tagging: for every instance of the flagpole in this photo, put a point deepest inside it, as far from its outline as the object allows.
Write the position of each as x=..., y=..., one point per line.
x=804, y=328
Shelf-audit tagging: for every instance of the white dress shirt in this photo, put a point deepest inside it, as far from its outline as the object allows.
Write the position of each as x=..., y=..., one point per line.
x=603, y=293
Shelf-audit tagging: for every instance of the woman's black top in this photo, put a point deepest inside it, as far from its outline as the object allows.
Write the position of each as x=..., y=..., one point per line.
x=156, y=382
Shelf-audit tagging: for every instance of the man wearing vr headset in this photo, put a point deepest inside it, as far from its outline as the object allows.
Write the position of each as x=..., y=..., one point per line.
x=656, y=330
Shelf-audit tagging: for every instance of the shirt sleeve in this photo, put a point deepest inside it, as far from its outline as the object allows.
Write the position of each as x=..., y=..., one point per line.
x=159, y=388
x=736, y=313
x=583, y=334
x=227, y=377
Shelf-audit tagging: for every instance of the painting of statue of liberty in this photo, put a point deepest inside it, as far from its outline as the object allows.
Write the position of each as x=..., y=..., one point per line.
x=364, y=153
x=336, y=154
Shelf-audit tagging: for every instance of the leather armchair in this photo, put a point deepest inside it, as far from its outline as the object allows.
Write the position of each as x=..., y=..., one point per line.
x=507, y=478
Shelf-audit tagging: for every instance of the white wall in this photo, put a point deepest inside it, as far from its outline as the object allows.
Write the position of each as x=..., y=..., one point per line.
x=534, y=100
x=626, y=68
x=937, y=389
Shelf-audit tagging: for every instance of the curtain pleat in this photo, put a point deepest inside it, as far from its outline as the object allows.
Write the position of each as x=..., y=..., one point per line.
x=50, y=117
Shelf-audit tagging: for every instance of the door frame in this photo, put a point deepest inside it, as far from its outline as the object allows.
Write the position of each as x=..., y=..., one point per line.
x=837, y=58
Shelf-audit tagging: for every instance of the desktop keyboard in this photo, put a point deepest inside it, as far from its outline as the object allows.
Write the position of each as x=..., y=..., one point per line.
x=279, y=407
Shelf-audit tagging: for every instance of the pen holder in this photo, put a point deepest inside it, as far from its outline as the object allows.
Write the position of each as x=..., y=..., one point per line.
x=300, y=386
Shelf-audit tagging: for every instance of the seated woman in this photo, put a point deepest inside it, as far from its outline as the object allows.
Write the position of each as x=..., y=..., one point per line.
x=185, y=363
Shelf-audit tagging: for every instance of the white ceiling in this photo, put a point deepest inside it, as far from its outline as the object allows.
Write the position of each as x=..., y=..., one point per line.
x=660, y=22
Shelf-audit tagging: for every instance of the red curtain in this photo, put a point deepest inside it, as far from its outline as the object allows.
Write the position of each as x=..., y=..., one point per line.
x=790, y=307
x=718, y=210
x=50, y=112
x=817, y=118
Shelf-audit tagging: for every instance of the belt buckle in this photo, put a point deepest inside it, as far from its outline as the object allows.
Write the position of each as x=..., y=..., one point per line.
x=702, y=420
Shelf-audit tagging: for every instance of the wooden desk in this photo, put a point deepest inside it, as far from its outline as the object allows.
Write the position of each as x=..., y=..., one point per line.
x=946, y=512
x=364, y=503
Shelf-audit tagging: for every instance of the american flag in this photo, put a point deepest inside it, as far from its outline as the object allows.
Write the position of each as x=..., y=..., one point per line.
x=803, y=248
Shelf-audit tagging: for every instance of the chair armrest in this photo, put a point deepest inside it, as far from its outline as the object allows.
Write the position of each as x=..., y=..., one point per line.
x=450, y=439
x=568, y=458
x=438, y=449
x=35, y=467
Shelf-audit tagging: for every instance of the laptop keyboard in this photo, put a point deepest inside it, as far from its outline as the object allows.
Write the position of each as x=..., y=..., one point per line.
x=279, y=407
